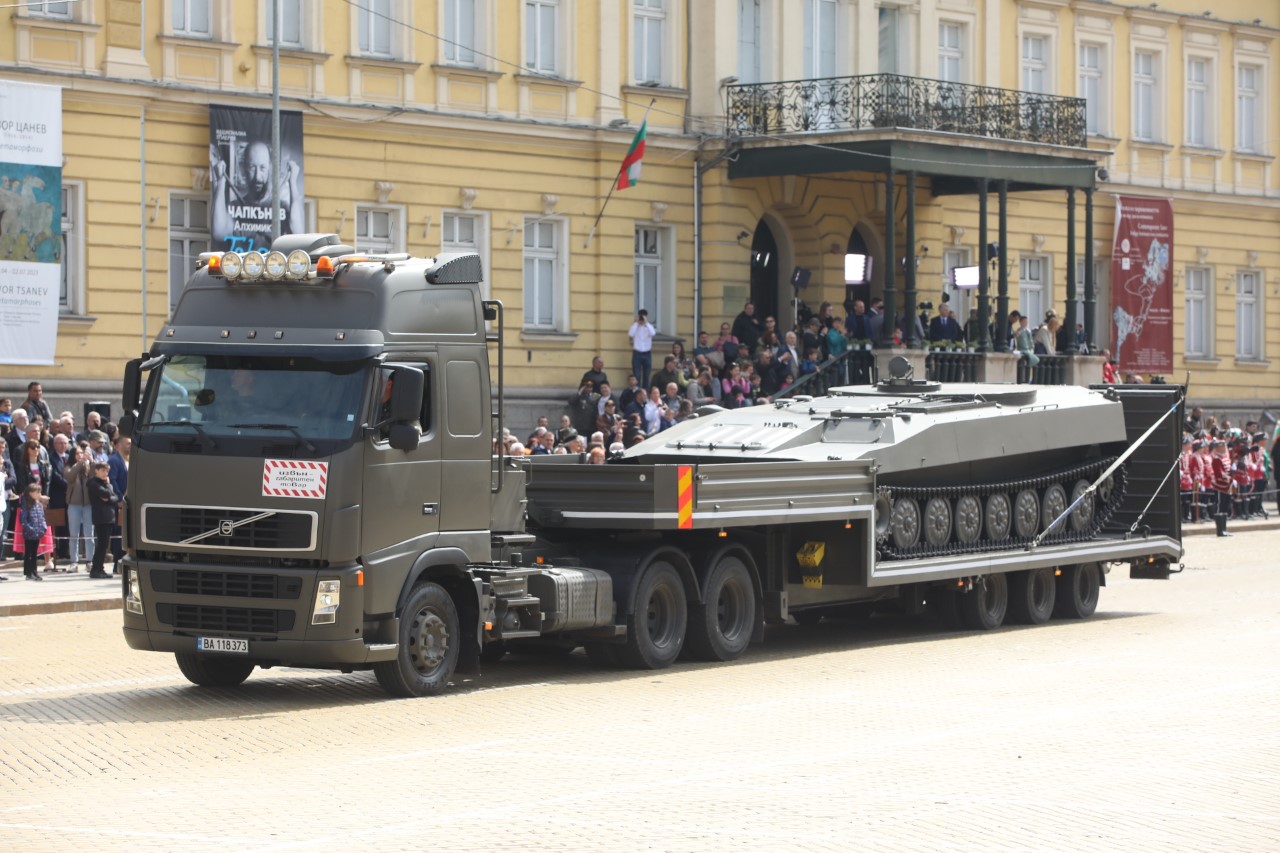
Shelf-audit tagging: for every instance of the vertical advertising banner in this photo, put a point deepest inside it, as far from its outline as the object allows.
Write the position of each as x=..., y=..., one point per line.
x=240, y=178
x=1142, y=285
x=30, y=221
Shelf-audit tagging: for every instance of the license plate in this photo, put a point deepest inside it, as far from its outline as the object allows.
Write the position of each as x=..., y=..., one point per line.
x=222, y=644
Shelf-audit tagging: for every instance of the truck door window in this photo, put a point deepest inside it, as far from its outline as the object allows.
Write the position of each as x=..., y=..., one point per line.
x=382, y=411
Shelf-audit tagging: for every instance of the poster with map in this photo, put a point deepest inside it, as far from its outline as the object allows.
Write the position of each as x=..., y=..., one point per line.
x=1142, y=285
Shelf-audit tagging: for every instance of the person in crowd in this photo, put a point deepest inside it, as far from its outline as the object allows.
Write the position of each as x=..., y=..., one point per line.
x=8, y=482
x=1191, y=423
x=17, y=436
x=671, y=399
x=595, y=456
x=653, y=412
x=103, y=501
x=705, y=391
x=789, y=355
x=1222, y=485
x=747, y=327
x=98, y=445
x=34, y=529
x=565, y=431
x=1025, y=346
x=684, y=364
x=1046, y=337
x=79, y=512
x=703, y=347
x=642, y=333
x=876, y=312
x=92, y=422
x=56, y=511
x=1241, y=478
x=608, y=419
x=517, y=449
x=34, y=405
x=36, y=470
x=537, y=444
x=727, y=345
x=6, y=410
x=1109, y=366
x=944, y=329
x=813, y=337
x=734, y=380
x=603, y=395
x=628, y=394
x=1188, y=471
x=669, y=373
x=1258, y=475
x=118, y=468
x=826, y=315
x=1206, y=496
x=582, y=408
x=596, y=374
x=544, y=423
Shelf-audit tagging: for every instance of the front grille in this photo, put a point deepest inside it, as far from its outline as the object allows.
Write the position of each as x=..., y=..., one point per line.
x=226, y=584
x=244, y=620
x=275, y=531
x=255, y=561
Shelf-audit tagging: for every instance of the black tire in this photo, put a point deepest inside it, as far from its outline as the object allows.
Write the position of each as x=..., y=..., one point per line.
x=603, y=655
x=656, y=629
x=945, y=604
x=1078, y=589
x=429, y=642
x=207, y=671
x=720, y=628
x=984, y=607
x=1031, y=596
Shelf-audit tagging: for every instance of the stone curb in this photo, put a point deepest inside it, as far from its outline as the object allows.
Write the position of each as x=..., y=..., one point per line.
x=42, y=608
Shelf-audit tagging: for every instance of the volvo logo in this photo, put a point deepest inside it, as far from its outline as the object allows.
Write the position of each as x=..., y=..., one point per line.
x=226, y=527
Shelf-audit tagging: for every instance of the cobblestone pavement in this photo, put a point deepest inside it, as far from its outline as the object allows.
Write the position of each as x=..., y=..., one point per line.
x=1152, y=726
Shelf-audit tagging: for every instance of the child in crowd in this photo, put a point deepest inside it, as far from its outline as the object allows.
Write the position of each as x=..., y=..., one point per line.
x=33, y=530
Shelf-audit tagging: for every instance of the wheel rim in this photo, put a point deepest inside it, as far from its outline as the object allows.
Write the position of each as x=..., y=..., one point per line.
x=428, y=642
x=1055, y=501
x=1082, y=515
x=660, y=616
x=1026, y=513
x=998, y=517
x=905, y=523
x=937, y=521
x=968, y=519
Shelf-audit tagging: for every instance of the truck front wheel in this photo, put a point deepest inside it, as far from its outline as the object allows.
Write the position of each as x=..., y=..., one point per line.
x=428, y=647
x=209, y=671
x=655, y=631
x=720, y=628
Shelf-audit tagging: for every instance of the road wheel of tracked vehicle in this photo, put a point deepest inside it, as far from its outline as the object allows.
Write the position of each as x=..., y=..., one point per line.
x=945, y=604
x=983, y=607
x=209, y=671
x=999, y=517
x=1031, y=596
x=720, y=628
x=1077, y=593
x=884, y=516
x=968, y=519
x=656, y=630
x=904, y=526
x=1105, y=490
x=429, y=634
x=1082, y=516
x=1055, y=502
x=1026, y=514
x=937, y=521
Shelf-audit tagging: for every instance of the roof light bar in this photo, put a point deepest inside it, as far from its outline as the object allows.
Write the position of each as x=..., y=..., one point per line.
x=232, y=266
x=254, y=265
x=275, y=265
x=297, y=265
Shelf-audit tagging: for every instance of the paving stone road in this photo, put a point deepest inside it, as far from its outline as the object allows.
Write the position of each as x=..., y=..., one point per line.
x=1152, y=726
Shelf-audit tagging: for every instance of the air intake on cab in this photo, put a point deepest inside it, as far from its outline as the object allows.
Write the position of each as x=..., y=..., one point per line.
x=456, y=268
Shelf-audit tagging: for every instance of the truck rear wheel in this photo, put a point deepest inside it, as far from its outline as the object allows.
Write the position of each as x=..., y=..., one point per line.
x=720, y=628
x=209, y=671
x=428, y=647
x=984, y=607
x=1077, y=593
x=656, y=629
x=1031, y=596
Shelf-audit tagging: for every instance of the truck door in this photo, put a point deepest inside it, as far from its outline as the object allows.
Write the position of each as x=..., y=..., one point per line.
x=401, y=500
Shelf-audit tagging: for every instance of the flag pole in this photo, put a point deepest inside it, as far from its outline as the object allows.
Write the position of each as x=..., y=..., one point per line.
x=614, y=185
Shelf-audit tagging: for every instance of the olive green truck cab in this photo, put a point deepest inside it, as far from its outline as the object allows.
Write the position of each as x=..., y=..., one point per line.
x=315, y=483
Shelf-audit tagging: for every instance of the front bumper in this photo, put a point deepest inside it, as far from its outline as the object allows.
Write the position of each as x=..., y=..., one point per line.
x=308, y=653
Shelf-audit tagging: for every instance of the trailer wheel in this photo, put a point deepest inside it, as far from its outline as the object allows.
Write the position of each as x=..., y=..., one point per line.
x=1077, y=593
x=1031, y=596
x=984, y=607
x=945, y=604
x=720, y=628
x=429, y=637
x=655, y=631
x=208, y=671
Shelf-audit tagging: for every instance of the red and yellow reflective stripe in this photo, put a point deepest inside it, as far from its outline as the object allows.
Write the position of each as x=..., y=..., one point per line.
x=684, y=497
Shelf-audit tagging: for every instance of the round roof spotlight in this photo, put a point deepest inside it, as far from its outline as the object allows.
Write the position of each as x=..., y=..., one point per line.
x=231, y=265
x=254, y=263
x=275, y=265
x=298, y=264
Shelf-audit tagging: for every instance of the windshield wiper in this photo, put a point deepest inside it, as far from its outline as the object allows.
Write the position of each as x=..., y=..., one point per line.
x=311, y=448
x=204, y=436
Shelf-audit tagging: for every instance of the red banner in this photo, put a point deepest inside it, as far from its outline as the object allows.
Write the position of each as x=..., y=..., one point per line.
x=1142, y=285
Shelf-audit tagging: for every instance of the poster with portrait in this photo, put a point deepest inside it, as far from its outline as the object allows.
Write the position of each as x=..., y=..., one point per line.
x=240, y=178
x=30, y=221
x=1142, y=285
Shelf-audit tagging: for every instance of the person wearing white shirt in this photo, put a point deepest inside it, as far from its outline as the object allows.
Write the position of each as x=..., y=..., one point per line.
x=642, y=332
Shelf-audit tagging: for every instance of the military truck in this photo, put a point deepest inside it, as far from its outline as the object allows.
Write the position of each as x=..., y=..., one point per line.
x=315, y=482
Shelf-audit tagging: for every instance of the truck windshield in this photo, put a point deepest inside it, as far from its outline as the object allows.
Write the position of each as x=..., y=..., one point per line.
x=255, y=395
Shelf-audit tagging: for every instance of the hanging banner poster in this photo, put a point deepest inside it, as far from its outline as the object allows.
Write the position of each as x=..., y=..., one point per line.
x=240, y=178
x=30, y=221
x=1142, y=285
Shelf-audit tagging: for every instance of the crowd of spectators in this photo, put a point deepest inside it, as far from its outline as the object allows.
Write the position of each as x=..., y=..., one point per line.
x=62, y=487
x=1224, y=471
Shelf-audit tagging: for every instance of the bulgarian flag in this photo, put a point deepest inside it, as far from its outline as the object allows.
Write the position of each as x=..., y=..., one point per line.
x=629, y=174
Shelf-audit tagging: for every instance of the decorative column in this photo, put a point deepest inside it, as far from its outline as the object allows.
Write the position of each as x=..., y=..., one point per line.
x=1072, y=306
x=1089, y=293
x=984, y=267
x=910, y=261
x=890, y=251
x=1002, y=258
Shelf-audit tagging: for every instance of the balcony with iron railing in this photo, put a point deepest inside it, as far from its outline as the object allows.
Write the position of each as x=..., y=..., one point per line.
x=895, y=101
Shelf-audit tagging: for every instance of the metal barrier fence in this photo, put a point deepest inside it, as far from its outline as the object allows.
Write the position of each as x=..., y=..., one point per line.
x=952, y=365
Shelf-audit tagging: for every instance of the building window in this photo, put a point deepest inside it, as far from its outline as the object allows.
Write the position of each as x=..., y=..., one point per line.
x=1035, y=64
x=540, y=36
x=1092, y=88
x=1144, y=96
x=891, y=41
x=290, y=22
x=543, y=273
x=1249, y=315
x=379, y=230
x=1199, y=106
x=1101, y=314
x=749, y=44
x=1032, y=294
x=188, y=238
x=460, y=32
x=648, y=23
x=819, y=39
x=57, y=9
x=466, y=232
x=71, y=288
x=1248, y=83
x=951, y=52
x=960, y=296
x=373, y=27
x=1199, y=312
x=193, y=18
x=648, y=259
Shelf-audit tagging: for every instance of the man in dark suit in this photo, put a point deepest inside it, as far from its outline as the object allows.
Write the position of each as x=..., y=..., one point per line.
x=944, y=328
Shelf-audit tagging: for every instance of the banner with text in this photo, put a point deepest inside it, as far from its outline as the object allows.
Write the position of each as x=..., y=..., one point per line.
x=240, y=178
x=30, y=221
x=1142, y=285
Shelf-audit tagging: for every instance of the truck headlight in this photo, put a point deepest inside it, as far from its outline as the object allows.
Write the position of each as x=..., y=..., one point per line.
x=328, y=594
x=133, y=602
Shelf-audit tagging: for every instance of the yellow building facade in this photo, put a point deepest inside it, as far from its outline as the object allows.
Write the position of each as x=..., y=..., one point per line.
x=499, y=125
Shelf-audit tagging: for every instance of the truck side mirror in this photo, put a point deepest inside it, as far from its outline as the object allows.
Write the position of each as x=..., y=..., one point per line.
x=131, y=395
x=406, y=394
